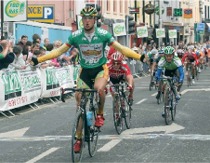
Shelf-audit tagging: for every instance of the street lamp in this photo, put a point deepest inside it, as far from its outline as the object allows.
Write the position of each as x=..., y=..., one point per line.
x=2, y=18
x=160, y=22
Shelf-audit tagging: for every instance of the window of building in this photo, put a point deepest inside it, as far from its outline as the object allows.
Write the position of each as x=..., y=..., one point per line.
x=126, y=6
x=115, y=6
x=108, y=6
x=121, y=6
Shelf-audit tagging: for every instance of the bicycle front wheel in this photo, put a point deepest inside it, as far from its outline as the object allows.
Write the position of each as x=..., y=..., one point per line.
x=127, y=115
x=173, y=106
x=117, y=115
x=78, y=124
x=93, y=133
x=151, y=83
x=167, y=107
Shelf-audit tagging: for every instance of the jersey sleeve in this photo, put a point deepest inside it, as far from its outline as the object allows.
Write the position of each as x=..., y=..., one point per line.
x=127, y=69
x=108, y=36
x=70, y=40
x=1, y=56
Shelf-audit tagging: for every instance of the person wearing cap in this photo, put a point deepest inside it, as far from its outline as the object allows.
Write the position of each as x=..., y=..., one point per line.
x=91, y=42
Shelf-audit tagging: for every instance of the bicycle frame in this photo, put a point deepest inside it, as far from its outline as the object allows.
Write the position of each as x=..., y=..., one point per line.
x=169, y=99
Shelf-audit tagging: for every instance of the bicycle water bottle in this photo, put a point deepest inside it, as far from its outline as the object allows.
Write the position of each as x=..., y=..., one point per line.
x=89, y=116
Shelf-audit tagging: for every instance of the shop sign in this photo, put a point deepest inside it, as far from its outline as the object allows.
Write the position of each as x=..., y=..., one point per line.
x=188, y=13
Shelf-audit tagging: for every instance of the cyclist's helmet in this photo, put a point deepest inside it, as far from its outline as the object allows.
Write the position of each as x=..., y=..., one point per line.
x=168, y=50
x=117, y=57
x=89, y=11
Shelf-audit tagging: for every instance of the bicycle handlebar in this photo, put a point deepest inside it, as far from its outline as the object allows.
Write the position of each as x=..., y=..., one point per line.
x=83, y=90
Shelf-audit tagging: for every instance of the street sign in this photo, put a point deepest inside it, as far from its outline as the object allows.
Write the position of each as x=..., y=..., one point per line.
x=133, y=10
x=200, y=27
x=177, y=12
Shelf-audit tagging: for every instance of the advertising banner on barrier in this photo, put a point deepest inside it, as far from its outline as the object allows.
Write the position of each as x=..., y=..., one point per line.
x=19, y=88
x=54, y=79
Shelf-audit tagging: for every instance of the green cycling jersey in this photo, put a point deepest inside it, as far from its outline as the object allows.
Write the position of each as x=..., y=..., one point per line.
x=91, y=50
x=176, y=62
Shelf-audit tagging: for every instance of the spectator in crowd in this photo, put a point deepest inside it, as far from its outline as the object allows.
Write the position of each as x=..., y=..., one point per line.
x=36, y=39
x=46, y=42
x=57, y=61
x=27, y=49
x=39, y=53
x=74, y=57
x=6, y=54
x=35, y=46
x=23, y=41
x=18, y=63
x=49, y=48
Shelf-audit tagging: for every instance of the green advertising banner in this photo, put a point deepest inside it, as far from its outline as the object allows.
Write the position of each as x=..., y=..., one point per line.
x=142, y=32
x=160, y=33
x=119, y=29
x=172, y=33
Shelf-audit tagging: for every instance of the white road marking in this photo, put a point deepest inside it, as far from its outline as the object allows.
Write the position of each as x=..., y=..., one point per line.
x=39, y=157
x=166, y=128
x=141, y=101
x=112, y=137
x=108, y=146
x=187, y=90
x=154, y=94
x=14, y=133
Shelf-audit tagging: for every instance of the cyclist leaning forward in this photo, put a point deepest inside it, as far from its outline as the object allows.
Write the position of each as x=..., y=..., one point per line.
x=119, y=71
x=173, y=67
x=91, y=42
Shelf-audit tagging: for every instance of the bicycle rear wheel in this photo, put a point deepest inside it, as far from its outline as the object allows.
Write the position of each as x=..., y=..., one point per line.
x=93, y=137
x=77, y=156
x=167, y=107
x=117, y=115
x=127, y=115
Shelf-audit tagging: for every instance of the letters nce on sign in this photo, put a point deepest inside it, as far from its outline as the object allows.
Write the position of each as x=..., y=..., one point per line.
x=41, y=13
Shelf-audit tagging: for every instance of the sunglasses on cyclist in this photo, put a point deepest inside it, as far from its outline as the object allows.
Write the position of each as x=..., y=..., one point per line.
x=87, y=17
x=116, y=63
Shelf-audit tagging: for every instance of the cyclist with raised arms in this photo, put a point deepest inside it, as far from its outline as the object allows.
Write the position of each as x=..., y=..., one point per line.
x=91, y=42
x=171, y=64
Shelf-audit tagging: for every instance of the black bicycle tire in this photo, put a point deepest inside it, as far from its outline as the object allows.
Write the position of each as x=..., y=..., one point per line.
x=173, y=111
x=159, y=100
x=127, y=114
x=77, y=157
x=93, y=131
x=173, y=106
x=150, y=84
x=167, y=110
x=119, y=121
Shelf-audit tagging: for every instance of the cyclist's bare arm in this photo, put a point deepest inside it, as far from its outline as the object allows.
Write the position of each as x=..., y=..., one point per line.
x=54, y=53
x=125, y=50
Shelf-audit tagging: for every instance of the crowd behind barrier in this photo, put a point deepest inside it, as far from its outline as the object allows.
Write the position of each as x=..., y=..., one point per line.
x=23, y=87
